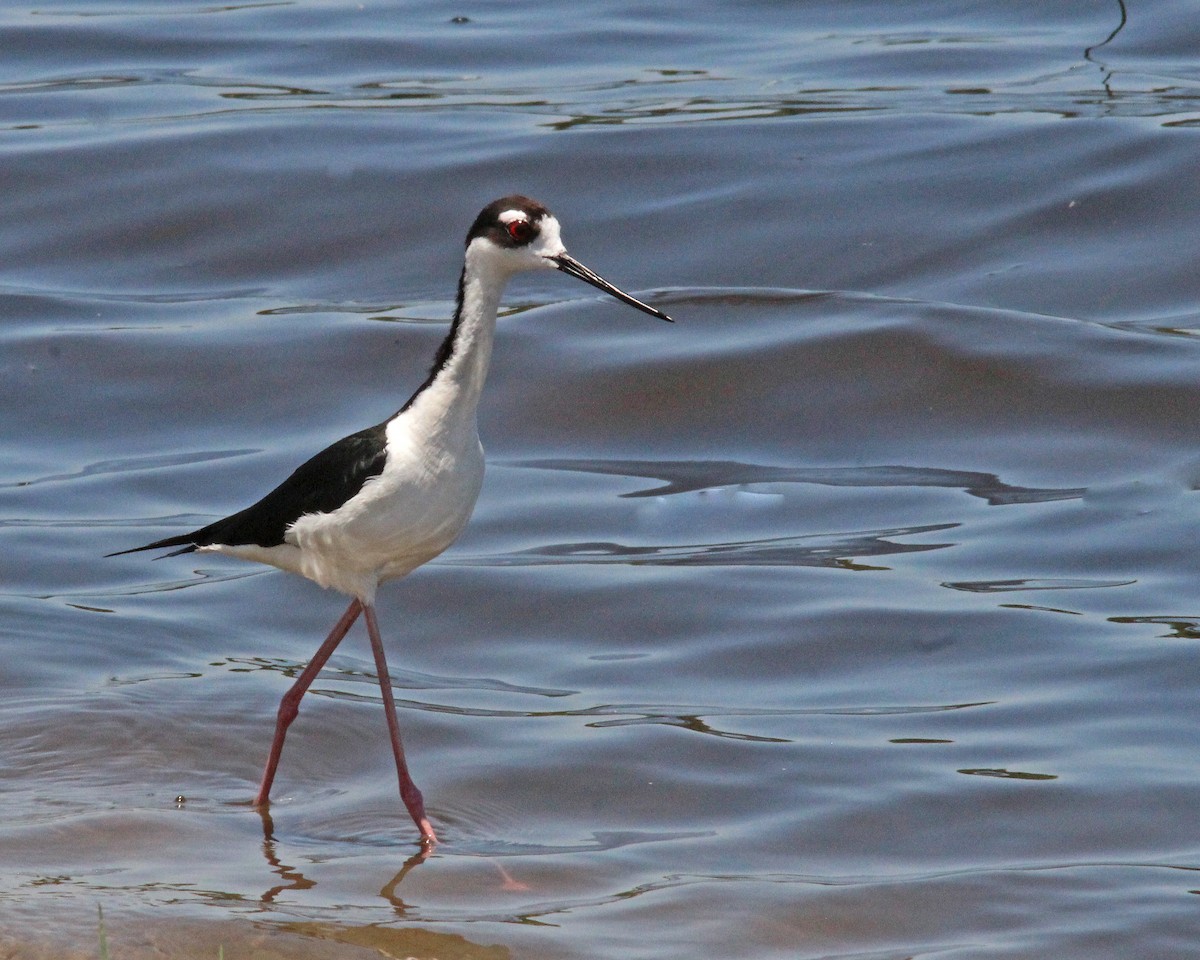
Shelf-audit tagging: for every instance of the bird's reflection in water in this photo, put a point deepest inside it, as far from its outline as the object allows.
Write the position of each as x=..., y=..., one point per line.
x=389, y=891
x=294, y=880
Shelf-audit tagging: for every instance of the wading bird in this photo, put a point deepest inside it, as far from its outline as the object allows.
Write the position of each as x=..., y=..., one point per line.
x=377, y=504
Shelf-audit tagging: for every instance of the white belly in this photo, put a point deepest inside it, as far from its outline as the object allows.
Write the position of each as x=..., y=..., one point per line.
x=402, y=518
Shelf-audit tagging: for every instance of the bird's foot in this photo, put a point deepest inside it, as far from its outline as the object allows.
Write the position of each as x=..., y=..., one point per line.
x=429, y=839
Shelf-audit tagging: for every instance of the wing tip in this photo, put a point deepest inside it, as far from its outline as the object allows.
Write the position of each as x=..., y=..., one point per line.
x=189, y=547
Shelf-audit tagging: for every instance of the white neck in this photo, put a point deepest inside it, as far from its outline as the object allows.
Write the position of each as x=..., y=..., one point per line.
x=448, y=402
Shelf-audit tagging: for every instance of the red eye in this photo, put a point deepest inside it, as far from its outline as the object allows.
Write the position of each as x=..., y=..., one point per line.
x=521, y=231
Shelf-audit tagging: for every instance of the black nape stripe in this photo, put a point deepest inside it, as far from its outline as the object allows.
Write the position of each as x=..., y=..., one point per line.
x=488, y=225
x=445, y=351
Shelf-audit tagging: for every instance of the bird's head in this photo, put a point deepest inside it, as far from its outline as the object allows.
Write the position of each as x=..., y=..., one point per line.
x=516, y=233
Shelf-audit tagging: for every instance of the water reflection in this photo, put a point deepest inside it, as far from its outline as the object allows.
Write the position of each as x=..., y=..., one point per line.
x=1007, y=586
x=390, y=890
x=627, y=96
x=686, y=476
x=295, y=881
x=172, y=167
x=1004, y=774
x=292, y=878
x=1181, y=628
x=695, y=718
x=1089, y=51
x=131, y=464
x=692, y=722
x=347, y=669
x=808, y=550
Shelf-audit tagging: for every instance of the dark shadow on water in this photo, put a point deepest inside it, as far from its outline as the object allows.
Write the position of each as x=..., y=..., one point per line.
x=1123, y=19
x=1180, y=627
x=1009, y=586
x=811, y=550
x=133, y=464
x=1003, y=774
x=601, y=841
x=346, y=669
x=695, y=718
x=692, y=718
x=686, y=476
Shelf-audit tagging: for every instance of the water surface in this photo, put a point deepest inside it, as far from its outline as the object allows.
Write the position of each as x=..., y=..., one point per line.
x=851, y=616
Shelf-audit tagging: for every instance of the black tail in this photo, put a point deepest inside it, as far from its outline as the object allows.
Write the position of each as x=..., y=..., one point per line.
x=187, y=541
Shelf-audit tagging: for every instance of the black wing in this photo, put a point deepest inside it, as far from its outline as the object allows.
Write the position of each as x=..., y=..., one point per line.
x=319, y=485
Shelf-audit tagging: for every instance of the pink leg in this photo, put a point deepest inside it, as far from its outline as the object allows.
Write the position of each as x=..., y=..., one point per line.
x=289, y=706
x=408, y=790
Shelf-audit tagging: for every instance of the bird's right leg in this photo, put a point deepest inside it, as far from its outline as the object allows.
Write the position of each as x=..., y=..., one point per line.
x=289, y=706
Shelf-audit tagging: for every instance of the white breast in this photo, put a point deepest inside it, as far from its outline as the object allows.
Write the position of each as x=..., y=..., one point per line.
x=403, y=517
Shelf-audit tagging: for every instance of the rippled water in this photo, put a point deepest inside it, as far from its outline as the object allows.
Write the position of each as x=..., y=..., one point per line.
x=852, y=616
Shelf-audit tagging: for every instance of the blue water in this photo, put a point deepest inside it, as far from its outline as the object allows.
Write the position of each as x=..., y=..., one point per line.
x=851, y=616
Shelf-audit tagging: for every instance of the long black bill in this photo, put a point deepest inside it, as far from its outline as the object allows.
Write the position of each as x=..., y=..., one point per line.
x=574, y=268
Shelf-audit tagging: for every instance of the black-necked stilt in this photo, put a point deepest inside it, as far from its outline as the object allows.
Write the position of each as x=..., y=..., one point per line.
x=379, y=503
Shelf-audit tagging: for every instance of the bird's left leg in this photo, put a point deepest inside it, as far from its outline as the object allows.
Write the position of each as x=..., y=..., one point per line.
x=289, y=706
